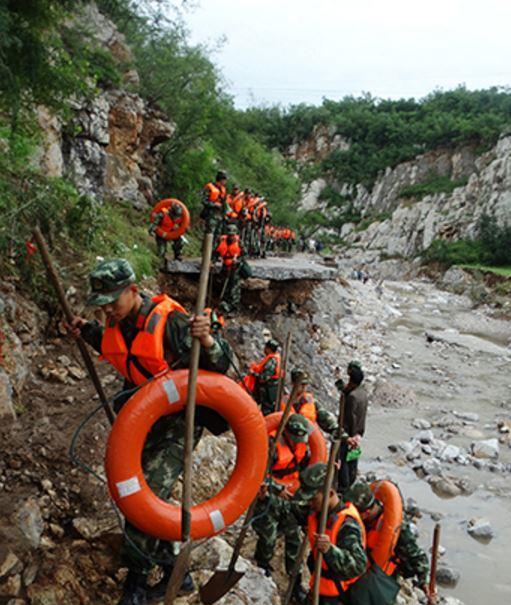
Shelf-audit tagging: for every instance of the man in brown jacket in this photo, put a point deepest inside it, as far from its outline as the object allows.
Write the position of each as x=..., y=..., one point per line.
x=355, y=411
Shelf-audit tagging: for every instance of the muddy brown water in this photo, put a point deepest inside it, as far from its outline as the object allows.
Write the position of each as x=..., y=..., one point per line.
x=472, y=374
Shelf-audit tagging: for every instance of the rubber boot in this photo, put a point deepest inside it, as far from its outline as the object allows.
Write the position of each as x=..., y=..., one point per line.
x=158, y=591
x=299, y=595
x=134, y=590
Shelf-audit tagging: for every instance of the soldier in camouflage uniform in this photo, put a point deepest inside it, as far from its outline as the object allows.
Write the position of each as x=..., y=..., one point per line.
x=308, y=406
x=274, y=512
x=267, y=375
x=175, y=212
x=411, y=561
x=114, y=290
x=215, y=207
x=231, y=252
x=345, y=559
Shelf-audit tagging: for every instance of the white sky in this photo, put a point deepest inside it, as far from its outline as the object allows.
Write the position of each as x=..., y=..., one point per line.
x=292, y=51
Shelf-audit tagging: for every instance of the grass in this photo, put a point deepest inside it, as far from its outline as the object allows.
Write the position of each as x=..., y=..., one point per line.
x=435, y=184
x=505, y=271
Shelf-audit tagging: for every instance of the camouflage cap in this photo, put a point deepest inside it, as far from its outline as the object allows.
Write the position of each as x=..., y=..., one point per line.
x=175, y=210
x=313, y=477
x=301, y=375
x=231, y=230
x=360, y=495
x=298, y=428
x=272, y=344
x=108, y=280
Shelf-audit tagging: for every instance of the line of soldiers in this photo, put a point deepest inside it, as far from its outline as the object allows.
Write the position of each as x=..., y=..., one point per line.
x=291, y=499
x=143, y=336
x=249, y=212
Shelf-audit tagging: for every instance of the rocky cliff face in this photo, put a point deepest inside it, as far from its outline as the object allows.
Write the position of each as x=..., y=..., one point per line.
x=411, y=224
x=109, y=149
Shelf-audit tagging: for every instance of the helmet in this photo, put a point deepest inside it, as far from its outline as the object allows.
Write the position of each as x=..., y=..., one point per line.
x=297, y=374
x=221, y=175
x=360, y=495
x=231, y=230
x=313, y=476
x=298, y=428
x=272, y=344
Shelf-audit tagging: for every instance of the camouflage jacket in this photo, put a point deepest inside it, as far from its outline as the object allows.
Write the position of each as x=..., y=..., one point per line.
x=413, y=561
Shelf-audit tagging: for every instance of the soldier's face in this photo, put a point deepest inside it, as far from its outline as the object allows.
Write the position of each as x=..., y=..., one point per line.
x=120, y=309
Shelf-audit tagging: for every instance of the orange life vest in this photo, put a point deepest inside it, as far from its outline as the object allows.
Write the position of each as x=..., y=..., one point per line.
x=229, y=251
x=328, y=585
x=306, y=406
x=167, y=224
x=286, y=469
x=258, y=368
x=383, y=537
x=146, y=356
x=216, y=193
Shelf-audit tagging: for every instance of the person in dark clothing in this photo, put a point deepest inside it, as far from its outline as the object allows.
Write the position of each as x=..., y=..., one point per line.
x=355, y=412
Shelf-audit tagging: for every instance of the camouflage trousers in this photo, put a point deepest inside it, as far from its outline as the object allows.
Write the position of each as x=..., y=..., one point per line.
x=162, y=462
x=232, y=294
x=213, y=223
x=266, y=396
x=273, y=517
x=177, y=246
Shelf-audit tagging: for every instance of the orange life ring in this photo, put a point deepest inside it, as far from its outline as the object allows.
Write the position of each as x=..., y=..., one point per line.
x=317, y=443
x=167, y=395
x=382, y=541
x=183, y=225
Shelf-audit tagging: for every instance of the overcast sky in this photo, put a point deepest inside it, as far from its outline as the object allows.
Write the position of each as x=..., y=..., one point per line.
x=289, y=51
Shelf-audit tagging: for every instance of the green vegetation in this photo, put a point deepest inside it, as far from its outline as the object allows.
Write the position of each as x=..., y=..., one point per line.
x=435, y=184
x=491, y=247
x=504, y=271
x=384, y=133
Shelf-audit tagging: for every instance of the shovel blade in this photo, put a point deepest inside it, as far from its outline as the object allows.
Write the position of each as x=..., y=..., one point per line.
x=218, y=585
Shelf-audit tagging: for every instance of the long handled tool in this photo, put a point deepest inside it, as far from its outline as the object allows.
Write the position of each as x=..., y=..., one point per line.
x=432, y=596
x=282, y=378
x=54, y=278
x=182, y=561
x=340, y=432
x=334, y=451
x=223, y=580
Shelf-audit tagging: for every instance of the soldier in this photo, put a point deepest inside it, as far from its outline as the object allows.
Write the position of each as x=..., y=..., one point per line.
x=142, y=337
x=274, y=511
x=355, y=412
x=343, y=543
x=231, y=252
x=267, y=375
x=407, y=559
x=307, y=406
x=167, y=220
x=214, y=200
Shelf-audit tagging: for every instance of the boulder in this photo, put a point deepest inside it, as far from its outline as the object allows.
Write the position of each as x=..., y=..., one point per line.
x=487, y=448
x=480, y=529
x=420, y=423
x=30, y=522
x=444, y=487
x=447, y=576
x=449, y=453
x=432, y=466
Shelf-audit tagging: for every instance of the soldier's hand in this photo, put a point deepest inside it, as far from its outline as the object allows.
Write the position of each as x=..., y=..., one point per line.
x=200, y=327
x=323, y=543
x=75, y=327
x=425, y=589
x=263, y=492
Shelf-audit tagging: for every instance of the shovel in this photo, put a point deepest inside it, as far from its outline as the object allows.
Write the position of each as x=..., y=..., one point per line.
x=183, y=559
x=223, y=580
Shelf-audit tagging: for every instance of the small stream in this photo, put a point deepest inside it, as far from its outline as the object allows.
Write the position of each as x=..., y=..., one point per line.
x=471, y=373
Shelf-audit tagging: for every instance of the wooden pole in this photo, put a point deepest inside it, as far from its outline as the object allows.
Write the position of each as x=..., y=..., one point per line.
x=432, y=597
x=282, y=378
x=69, y=315
x=334, y=451
x=183, y=558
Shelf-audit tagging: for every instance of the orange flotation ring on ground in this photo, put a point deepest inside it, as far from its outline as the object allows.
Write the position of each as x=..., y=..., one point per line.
x=183, y=224
x=317, y=443
x=382, y=540
x=167, y=395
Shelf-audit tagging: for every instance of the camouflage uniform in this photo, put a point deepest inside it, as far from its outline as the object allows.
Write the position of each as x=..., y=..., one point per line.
x=161, y=243
x=232, y=294
x=162, y=456
x=267, y=387
x=347, y=558
x=274, y=515
x=213, y=216
x=412, y=561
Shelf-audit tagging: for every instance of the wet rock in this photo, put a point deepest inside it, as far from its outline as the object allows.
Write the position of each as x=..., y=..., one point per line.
x=425, y=436
x=93, y=528
x=30, y=522
x=468, y=416
x=449, y=453
x=420, y=423
x=488, y=448
x=432, y=467
x=447, y=576
x=445, y=487
x=504, y=426
x=480, y=529
x=412, y=508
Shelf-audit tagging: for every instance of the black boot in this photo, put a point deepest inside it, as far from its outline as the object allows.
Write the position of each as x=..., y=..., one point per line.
x=134, y=590
x=299, y=595
x=158, y=591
